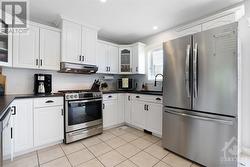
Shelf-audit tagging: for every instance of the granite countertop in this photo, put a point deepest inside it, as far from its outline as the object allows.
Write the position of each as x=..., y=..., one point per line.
x=159, y=93
x=6, y=100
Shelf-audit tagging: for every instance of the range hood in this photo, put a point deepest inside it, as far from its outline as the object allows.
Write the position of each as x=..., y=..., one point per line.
x=66, y=67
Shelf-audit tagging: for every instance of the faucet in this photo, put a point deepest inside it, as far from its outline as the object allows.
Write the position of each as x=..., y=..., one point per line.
x=156, y=77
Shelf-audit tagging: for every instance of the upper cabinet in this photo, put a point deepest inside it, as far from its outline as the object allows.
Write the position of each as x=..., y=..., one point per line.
x=125, y=60
x=107, y=57
x=78, y=43
x=39, y=48
x=5, y=47
x=139, y=58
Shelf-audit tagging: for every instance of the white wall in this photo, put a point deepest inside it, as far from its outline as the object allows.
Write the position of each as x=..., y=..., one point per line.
x=244, y=35
x=20, y=81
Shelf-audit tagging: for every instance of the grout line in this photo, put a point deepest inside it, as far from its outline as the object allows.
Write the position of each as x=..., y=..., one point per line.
x=66, y=155
x=38, y=160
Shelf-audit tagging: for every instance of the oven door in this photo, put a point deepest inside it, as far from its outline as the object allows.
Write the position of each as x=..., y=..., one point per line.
x=83, y=113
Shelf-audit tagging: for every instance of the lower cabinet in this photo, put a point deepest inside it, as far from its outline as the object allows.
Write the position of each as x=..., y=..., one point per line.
x=110, y=113
x=23, y=125
x=127, y=108
x=138, y=114
x=154, y=118
x=48, y=125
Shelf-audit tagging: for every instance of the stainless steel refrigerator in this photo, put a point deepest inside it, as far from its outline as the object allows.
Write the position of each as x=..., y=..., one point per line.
x=200, y=96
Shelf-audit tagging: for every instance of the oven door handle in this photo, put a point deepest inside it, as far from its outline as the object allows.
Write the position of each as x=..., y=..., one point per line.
x=84, y=101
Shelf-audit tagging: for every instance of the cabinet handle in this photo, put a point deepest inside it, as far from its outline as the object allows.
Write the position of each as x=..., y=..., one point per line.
x=62, y=112
x=49, y=101
x=103, y=106
x=11, y=133
x=83, y=58
x=36, y=62
x=137, y=97
x=13, y=110
x=107, y=69
x=110, y=96
x=41, y=62
x=158, y=98
x=80, y=58
x=128, y=98
x=136, y=69
x=147, y=107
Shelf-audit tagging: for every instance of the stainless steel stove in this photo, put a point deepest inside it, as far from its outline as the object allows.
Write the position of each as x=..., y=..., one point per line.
x=83, y=114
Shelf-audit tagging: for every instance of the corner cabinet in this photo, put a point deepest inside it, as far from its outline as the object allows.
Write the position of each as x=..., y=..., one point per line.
x=38, y=49
x=139, y=59
x=78, y=43
x=125, y=60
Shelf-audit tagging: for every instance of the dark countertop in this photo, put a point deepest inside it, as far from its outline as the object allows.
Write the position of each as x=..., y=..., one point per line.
x=6, y=100
x=158, y=93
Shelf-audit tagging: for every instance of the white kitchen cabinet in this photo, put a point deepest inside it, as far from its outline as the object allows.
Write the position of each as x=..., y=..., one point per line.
x=7, y=142
x=48, y=125
x=128, y=108
x=110, y=113
x=50, y=49
x=38, y=49
x=219, y=22
x=89, y=41
x=26, y=48
x=107, y=58
x=138, y=114
x=6, y=51
x=120, y=108
x=139, y=58
x=154, y=118
x=23, y=125
x=78, y=43
x=125, y=60
x=71, y=42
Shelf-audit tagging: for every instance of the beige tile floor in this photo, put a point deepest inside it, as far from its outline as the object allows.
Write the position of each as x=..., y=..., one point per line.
x=121, y=147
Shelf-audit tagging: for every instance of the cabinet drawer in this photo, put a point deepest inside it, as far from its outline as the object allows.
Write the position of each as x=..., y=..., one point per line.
x=110, y=97
x=148, y=98
x=48, y=102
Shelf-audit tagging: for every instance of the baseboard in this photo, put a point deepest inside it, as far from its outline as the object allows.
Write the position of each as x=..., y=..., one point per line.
x=245, y=150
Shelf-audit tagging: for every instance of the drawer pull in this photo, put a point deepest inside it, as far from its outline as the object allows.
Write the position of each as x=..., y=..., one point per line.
x=158, y=98
x=49, y=101
x=110, y=96
x=137, y=97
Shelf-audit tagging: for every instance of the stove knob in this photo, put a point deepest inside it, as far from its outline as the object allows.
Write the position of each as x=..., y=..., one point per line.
x=75, y=96
x=71, y=96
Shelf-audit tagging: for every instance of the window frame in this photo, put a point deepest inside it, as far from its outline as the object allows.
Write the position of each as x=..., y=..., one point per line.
x=150, y=78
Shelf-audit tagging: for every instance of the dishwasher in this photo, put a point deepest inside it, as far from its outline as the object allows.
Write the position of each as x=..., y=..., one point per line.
x=6, y=151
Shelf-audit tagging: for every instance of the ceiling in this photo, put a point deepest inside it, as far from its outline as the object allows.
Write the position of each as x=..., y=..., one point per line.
x=126, y=21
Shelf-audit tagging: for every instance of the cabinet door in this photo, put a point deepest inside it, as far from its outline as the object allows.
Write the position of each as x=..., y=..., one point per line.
x=139, y=59
x=6, y=52
x=109, y=113
x=50, y=48
x=89, y=41
x=26, y=49
x=71, y=42
x=48, y=125
x=113, y=59
x=7, y=145
x=125, y=60
x=154, y=118
x=128, y=108
x=101, y=57
x=138, y=114
x=120, y=111
x=23, y=125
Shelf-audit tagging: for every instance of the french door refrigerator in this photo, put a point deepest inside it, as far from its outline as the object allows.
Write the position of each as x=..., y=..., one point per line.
x=200, y=96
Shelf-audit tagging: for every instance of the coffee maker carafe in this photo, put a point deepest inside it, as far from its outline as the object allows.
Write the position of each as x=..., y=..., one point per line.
x=42, y=84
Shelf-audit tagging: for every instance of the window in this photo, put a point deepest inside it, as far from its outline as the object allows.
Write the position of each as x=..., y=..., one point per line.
x=155, y=63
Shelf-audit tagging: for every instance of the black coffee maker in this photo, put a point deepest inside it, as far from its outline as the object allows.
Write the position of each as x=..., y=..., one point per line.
x=42, y=84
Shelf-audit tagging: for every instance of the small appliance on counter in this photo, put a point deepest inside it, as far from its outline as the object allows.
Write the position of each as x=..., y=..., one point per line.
x=96, y=85
x=125, y=84
x=42, y=83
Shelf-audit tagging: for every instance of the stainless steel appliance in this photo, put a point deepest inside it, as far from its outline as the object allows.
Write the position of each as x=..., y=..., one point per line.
x=66, y=67
x=42, y=83
x=200, y=96
x=125, y=84
x=83, y=114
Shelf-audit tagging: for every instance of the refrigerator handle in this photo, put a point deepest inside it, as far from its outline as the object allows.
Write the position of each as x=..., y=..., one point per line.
x=222, y=121
x=195, y=79
x=187, y=79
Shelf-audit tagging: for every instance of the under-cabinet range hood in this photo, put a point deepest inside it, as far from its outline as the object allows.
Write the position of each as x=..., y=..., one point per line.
x=66, y=67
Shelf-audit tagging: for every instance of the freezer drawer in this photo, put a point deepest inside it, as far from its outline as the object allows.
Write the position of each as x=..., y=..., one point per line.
x=206, y=139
